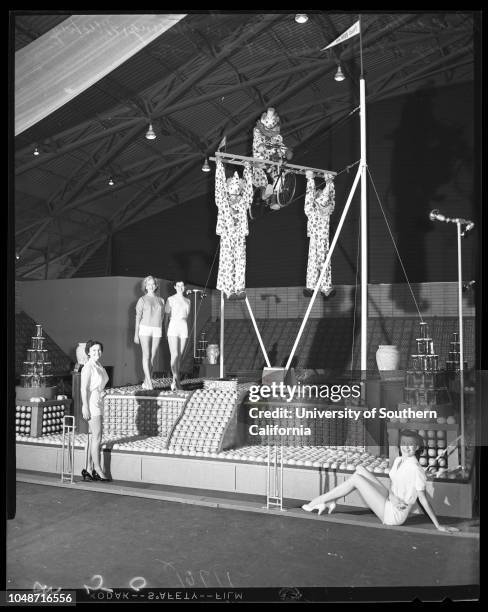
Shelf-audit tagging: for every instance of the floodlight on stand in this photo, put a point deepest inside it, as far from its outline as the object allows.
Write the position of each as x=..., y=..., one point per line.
x=111, y=181
x=339, y=75
x=150, y=134
x=301, y=18
x=206, y=167
x=35, y=152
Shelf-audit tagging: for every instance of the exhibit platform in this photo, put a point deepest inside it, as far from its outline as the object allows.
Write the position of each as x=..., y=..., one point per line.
x=200, y=438
x=229, y=472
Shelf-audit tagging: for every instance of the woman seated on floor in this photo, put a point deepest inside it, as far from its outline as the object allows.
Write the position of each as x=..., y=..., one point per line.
x=391, y=506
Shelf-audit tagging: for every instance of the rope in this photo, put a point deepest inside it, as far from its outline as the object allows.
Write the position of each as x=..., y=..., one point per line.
x=345, y=169
x=394, y=244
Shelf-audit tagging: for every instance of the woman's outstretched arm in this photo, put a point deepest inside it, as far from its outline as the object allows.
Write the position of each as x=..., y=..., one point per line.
x=422, y=498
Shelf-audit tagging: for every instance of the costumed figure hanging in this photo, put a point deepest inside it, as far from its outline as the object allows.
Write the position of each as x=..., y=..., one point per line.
x=233, y=198
x=319, y=205
x=268, y=145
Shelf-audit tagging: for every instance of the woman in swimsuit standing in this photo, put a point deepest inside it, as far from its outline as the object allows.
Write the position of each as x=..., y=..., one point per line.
x=149, y=326
x=177, y=308
x=93, y=380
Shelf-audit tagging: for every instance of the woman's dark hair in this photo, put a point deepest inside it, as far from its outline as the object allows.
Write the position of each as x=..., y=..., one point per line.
x=91, y=343
x=412, y=435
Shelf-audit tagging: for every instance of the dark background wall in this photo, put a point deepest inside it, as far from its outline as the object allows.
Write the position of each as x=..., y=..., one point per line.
x=420, y=156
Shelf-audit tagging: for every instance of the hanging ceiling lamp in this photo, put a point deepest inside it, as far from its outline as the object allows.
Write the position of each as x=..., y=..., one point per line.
x=206, y=167
x=339, y=75
x=150, y=134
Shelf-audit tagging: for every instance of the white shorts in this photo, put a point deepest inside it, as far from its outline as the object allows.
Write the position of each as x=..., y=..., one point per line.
x=178, y=328
x=394, y=516
x=149, y=330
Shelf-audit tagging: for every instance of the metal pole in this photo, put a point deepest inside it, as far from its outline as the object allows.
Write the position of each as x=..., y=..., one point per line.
x=281, y=477
x=257, y=333
x=68, y=448
x=364, y=229
x=221, y=334
x=268, y=474
x=461, y=345
x=194, y=325
x=324, y=268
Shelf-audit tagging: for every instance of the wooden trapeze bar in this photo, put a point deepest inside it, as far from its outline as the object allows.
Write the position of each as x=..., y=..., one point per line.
x=241, y=160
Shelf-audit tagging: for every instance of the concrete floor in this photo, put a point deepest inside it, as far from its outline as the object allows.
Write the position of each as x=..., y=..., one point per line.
x=69, y=538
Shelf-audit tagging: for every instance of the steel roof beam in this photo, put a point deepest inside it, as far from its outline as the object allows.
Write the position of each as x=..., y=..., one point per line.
x=250, y=32
x=193, y=101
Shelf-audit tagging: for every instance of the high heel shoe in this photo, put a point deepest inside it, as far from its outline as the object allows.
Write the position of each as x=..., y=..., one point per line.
x=86, y=475
x=96, y=476
x=320, y=507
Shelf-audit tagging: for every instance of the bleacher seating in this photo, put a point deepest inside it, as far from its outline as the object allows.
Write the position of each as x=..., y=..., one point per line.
x=328, y=342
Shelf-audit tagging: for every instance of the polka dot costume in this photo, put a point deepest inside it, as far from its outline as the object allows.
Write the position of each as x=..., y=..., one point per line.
x=319, y=205
x=267, y=144
x=233, y=199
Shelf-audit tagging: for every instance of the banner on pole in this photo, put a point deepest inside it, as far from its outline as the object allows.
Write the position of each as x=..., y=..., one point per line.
x=352, y=31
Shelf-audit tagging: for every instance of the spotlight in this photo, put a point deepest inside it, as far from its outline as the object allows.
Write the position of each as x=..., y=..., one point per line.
x=301, y=18
x=36, y=151
x=339, y=75
x=150, y=134
x=17, y=255
x=111, y=182
x=205, y=167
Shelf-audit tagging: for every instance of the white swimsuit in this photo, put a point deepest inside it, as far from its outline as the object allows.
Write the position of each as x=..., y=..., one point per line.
x=407, y=479
x=95, y=376
x=179, y=311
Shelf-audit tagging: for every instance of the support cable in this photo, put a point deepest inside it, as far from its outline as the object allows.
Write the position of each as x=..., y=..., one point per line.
x=396, y=248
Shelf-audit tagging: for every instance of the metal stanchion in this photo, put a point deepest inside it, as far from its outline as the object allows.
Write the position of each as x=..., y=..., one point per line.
x=274, y=478
x=68, y=449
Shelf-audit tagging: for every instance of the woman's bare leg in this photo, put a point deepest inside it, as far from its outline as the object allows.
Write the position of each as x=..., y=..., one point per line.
x=371, y=477
x=173, y=349
x=154, y=352
x=374, y=496
x=146, y=358
x=181, y=350
x=89, y=462
x=95, y=443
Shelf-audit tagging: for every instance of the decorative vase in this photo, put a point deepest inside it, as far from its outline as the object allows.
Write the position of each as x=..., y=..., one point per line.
x=213, y=353
x=387, y=357
x=81, y=356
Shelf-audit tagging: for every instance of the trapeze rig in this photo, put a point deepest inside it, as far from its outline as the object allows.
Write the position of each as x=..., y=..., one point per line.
x=242, y=160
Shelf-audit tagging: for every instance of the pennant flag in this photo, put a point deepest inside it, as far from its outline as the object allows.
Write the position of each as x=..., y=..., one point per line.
x=352, y=31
